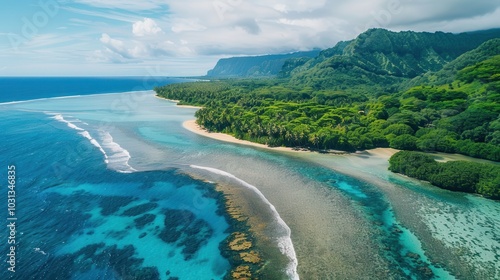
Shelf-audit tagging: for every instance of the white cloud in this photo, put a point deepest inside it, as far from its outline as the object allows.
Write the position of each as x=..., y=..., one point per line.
x=145, y=27
x=456, y=24
x=129, y=5
x=257, y=27
x=281, y=8
x=115, y=46
x=160, y=31
x=299, y=5
x=264, y=26
x=113, y=15
x=125, y=51
x=186, y=25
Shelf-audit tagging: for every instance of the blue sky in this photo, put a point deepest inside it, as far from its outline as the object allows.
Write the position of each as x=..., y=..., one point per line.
x=183, y=38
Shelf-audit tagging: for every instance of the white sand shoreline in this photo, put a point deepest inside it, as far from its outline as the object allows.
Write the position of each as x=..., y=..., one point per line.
x=192, y=126
x=381, y=153
x=177, y=103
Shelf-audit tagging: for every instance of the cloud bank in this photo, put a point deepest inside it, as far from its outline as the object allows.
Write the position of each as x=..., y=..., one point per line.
x=102, y=34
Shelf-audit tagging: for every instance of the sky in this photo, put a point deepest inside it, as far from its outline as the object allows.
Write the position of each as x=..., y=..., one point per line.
x=187, y=37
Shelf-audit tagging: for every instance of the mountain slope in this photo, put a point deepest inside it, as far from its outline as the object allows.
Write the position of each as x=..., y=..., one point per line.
x=444, y=76
x=295, y=65
x=254, y=66
x=381, y=57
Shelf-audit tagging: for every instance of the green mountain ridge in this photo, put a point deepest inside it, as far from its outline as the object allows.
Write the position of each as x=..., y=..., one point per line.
x=295, y=65
x=444, y=76
x=255, y=66
x=379, y=57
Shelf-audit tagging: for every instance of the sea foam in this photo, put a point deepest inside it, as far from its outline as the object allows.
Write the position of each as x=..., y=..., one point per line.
x=94, y=142
x=38, y=99
x=60, y=118
x=284, y=242
x=82, y=132
x=115, y=156
x=118, y=157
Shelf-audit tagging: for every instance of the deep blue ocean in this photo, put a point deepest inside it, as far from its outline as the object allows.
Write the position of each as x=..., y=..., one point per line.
x=109, y=185
x=28, y=88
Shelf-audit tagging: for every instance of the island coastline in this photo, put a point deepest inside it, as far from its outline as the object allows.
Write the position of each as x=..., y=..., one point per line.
x=192, y=126
x=177, y=103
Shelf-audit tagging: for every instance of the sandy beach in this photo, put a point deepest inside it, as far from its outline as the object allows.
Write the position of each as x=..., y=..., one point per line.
x=177, y=103
x=188, y=106
x=385, y=153
x=380, y=153
x=192, y=126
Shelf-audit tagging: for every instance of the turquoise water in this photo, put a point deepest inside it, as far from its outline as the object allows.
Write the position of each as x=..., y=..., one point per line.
x=103, y=195
x=78, y=219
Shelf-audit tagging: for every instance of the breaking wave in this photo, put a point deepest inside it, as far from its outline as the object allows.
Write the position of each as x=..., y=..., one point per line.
x=285, y=243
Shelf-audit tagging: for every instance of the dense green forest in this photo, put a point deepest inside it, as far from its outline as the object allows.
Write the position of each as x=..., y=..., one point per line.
x=465, y=176
x=329, y=103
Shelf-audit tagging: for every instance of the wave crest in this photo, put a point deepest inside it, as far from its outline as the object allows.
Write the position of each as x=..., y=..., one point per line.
x=118, y=157
x=285, y=243
x=115, y=156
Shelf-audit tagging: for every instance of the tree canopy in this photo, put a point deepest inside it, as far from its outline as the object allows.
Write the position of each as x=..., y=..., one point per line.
x=464, y=176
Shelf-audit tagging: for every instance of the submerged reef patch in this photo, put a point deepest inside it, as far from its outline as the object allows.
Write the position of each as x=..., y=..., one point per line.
x=110, y=204
x=239, y=247
x=183, y=228
x=140, y=209
x=144, y=220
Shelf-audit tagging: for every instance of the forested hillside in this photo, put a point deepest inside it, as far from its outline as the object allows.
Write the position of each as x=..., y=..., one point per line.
x=447, y=74
x=255, y=66
x=359, y=108
x=380, y=58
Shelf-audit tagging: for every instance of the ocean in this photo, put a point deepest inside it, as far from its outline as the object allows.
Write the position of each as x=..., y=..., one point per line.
x=109, y=185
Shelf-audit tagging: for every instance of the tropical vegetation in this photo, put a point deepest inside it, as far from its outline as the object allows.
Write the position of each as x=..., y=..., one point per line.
x=375, y=91
x=464, y=176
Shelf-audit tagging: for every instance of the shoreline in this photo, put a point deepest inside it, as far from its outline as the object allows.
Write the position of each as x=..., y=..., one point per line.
x=177, y=103
x=192, y=126
x=382, y=153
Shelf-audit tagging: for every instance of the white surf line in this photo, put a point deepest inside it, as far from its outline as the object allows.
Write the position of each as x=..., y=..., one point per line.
x=60, y=118
x=116, y=158
x=119, y=157
x=39, y=99
x=73, y=96
x=82, y=132
x=94, y=142
x=285, y=242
